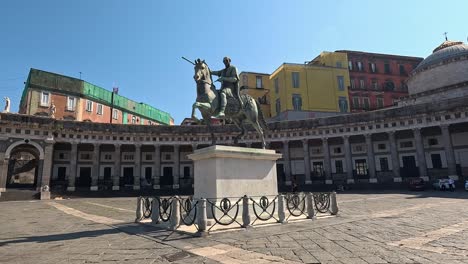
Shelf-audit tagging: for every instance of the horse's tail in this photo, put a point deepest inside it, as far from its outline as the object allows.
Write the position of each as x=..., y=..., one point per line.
x=261, y=117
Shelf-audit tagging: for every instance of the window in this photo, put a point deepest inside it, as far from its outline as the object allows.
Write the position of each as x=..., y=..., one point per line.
x=276, y=85
x=358, y=148
x=436, y=161
x=107, y=173
x=406, y=144
x=362, y=84
x=432, y=141
x=402, y=69
x=133, y=119
x=337, y=150
x=186, y=172
x=316, y=150
x=107, y=156
x=374, y=84
x=372, y=67
x=245, y=80
x=61, y=173
x=381, y=146
x=387, y=67
x=339, y=166
x=128, y=157
x=366, y=103
x=71, y=103
x=340, y=83
x=317, y=169
x=389, y=85
x=380, y=102
x=99, y=109
x=259, y=82
x=297, y=102
x=359, y=66
x=115, y=114
x=383, y=164
x=361, y=167
x=278, y=106
x=148, y=157
x=45, y=98
x=350, y=65
x=89, y=106
x=85, y=156
x=403, y=85
x=295, y=79
x=353, y=84
x=356, y=102
x=343, y=104
x=338, y=64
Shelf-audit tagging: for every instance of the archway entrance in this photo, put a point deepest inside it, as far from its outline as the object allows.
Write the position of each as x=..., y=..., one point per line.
x=23, y=167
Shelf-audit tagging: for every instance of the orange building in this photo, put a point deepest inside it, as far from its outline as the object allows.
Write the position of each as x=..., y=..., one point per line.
x=79, y=100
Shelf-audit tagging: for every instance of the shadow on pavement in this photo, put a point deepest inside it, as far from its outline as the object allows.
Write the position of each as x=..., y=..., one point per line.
x=146, y=231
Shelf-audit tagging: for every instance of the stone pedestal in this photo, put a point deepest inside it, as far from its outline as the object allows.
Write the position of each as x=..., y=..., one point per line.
x=224, y=171
x=45, y=195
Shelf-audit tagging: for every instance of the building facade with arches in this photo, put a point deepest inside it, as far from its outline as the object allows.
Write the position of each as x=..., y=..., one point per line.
x=425, y=135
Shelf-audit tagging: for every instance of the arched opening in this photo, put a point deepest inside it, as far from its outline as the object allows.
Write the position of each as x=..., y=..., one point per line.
x=23, y=167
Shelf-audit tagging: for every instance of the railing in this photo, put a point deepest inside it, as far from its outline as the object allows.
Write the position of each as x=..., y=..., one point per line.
x=233, y=212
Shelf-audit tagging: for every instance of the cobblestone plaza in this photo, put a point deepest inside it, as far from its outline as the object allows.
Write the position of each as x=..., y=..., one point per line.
x=422, y=227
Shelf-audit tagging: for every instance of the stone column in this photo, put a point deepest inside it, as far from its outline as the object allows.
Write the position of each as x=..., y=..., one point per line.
x=395, y=159
x=47, y=165
x=287, y=162
x=349, y=160
x=117, y=168
x=73, y=160
x=308, y=175
x=176, y=175
x=451, y=163
x=137, y=171
x=326, y=161
x=40, y=168
x=3, y=171
x=370, y=159
x=420, y=154
x=157, y=167
x=95, y=168
x=194, y=147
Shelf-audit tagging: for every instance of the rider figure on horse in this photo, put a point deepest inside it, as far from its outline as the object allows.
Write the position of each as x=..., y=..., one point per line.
x=229, y=79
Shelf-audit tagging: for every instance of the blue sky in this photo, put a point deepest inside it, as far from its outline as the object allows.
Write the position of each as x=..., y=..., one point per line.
x=138, y=44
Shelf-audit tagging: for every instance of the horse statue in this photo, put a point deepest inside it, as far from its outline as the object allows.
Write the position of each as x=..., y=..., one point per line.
x=208, y=102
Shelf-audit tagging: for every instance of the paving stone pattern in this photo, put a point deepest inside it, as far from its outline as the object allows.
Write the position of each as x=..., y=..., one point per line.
x=425, y=227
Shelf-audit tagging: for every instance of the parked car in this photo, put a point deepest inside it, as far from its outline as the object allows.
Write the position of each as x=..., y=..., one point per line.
x=444, y=184
x=416, y=184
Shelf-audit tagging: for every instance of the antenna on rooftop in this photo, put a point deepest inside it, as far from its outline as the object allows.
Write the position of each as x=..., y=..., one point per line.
x=80, y=75
x=445, y=33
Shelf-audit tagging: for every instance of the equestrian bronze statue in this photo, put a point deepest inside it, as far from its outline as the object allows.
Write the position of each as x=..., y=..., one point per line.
x=227, y=103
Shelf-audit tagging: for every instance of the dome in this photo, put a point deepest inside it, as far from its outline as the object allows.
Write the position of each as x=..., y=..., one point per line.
x=446, y=50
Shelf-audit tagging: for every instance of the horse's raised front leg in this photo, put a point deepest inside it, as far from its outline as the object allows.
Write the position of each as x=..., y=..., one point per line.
x=194, y=106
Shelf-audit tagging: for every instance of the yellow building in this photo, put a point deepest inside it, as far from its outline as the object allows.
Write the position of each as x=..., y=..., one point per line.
x=258, y=86
x=318, y=88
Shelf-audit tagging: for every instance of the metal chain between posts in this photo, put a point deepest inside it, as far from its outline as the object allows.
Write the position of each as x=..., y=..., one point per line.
x=165, y=208
x=188, y=211
x=322, y=202
x=264, y=204
x=295, y=204
x=225, y=207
